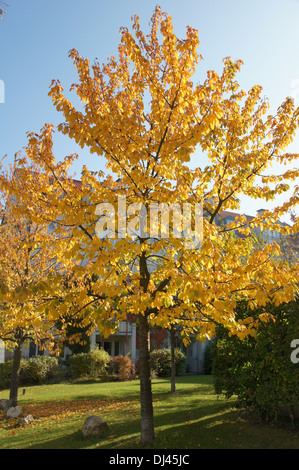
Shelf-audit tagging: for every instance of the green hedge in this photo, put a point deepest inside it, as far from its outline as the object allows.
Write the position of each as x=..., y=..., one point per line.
x=38, y=370
x=160, y=360
x=94, y=363
x=5, y=374
x=259, y=370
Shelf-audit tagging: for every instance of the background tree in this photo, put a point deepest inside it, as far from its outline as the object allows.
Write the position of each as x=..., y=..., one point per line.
x=77, y=337
x=28, y=264
x=145, y=117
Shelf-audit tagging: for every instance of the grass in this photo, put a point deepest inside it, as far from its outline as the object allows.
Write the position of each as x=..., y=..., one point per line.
x=192, y=418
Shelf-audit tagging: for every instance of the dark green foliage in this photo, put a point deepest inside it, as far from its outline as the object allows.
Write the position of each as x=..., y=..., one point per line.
x=5, y=374
x=38, y=370
x=259, y=370
x=161, y=362
x=34, y=371
x=78, y=337
x=93, y=363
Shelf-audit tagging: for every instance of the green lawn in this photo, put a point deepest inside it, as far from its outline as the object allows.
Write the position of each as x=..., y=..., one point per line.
x=192, y=418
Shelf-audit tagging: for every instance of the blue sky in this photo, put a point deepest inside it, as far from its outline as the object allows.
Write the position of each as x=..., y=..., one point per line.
x=36, y=36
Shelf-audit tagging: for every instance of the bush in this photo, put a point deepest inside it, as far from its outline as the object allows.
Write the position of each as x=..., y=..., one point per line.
x=38, y=370
x=123, y=366
x=259, y=370
x=161, y=362
x=93, y=363
x=5, y=374
x=99, y=361
x=79, y=364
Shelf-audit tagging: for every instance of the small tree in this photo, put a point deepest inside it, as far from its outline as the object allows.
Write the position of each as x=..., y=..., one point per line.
x=259, y=370
x=28, y=264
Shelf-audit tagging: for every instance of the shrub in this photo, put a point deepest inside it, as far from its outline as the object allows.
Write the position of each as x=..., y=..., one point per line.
x=38, y=370
x=259, y=370
x=99, y=361
x=93, y=363
x=79, y=364
x=161, y=362
x=123, y=366
x=5, y=374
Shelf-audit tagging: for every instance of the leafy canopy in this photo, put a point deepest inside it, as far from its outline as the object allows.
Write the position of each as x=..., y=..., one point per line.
x=142, y=114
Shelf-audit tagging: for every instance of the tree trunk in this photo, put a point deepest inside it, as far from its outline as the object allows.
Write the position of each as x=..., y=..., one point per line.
x=14, y=381
x=147, y=414
x=172, y=341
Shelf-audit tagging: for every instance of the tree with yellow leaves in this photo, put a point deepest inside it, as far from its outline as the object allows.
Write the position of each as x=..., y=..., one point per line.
x=145, y=117
x=28, y=264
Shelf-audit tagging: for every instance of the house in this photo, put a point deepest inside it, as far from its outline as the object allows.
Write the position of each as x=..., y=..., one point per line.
x=126, y=342
x=121, y=343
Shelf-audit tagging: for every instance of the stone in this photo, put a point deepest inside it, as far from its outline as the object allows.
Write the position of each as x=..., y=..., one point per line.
x=28, y=419
x=94, y=426
x=14, y=412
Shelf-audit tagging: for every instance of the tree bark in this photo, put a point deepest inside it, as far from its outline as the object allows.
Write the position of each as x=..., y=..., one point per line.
x=147, y=414
x=172, y=344
x=14, y=381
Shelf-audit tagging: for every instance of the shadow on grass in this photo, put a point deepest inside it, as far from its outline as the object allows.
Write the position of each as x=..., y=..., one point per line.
x=74, y=440
x=192, y=418
x=215, y=425
x=174, y=430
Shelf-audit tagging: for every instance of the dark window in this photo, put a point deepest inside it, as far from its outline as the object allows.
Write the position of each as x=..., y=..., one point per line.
x=32, y=349
x=107, y=347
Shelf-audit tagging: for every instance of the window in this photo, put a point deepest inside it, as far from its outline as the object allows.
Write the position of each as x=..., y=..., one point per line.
x=32, y=349
x=107, y=347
